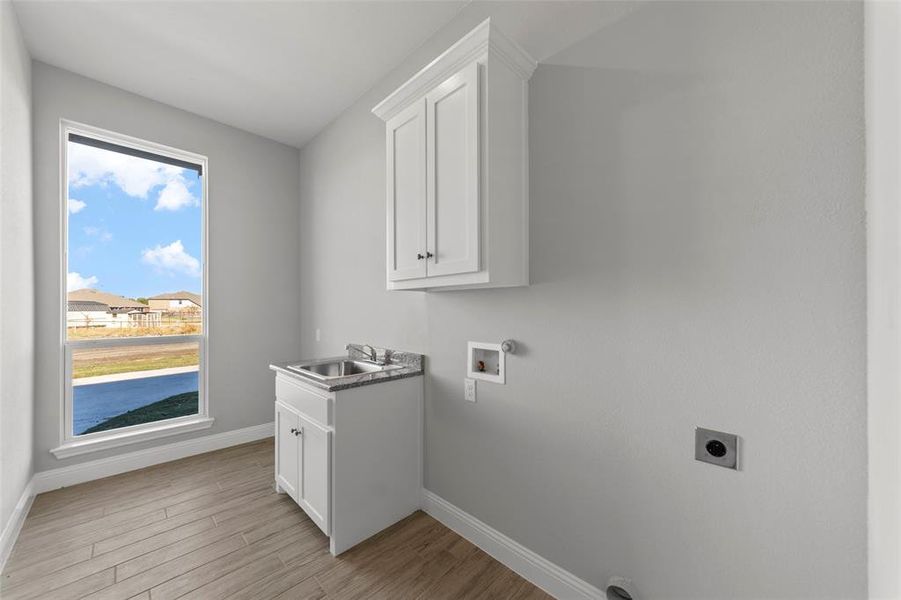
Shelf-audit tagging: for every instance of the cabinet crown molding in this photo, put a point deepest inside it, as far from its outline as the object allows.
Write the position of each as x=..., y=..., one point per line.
x=486, y=38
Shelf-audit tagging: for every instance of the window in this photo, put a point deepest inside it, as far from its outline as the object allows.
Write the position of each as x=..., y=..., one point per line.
x=134, y=252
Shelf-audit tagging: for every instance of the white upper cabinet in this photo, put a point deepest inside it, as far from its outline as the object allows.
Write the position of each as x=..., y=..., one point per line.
x=457, y=168
x=406, y=190
x=452, y=173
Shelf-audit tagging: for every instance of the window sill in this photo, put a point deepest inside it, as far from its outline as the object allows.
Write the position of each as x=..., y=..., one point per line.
x=114, y=440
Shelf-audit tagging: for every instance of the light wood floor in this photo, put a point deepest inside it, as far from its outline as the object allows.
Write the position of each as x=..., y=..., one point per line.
x=211, y=527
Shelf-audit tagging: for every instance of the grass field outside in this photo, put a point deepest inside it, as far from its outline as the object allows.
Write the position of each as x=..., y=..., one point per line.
x=91, y=362
x=179, y=405
x=171, y=327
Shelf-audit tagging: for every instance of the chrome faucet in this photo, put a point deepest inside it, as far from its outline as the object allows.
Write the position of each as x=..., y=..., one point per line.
x=372, y=354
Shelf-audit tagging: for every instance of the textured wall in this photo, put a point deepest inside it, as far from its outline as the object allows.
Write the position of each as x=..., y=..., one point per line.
x=253, y=215
x=342, y=245
x=16, y=266
x=698, y=258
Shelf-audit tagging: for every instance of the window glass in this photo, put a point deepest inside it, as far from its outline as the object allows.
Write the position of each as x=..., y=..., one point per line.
x=121, y=386
x=134, y=246
x=134, y=242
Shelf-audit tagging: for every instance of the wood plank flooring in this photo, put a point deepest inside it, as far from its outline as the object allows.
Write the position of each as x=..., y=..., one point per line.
x=212, y=527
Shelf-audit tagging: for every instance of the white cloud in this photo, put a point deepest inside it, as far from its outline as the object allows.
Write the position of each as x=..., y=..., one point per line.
x=175, y=196
x=135, y=176
x=74, y=281
x=98, y=232
x=75, y=205
x=172, y=259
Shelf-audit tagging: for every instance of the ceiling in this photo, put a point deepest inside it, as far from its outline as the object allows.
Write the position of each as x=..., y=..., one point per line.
x=280, y=69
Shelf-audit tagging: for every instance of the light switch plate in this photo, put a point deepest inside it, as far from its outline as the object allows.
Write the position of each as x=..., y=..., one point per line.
x=716, y=448
x=469, y=389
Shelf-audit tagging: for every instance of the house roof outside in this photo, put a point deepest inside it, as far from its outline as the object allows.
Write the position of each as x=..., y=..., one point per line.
x=86, y=306
x=182, y=295
x=111, y=300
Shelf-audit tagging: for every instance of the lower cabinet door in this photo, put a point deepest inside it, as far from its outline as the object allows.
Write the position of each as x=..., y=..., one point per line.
x=315, y=470
x=287, y=457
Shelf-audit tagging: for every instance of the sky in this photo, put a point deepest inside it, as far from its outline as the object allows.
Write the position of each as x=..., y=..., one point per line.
x=134, y=224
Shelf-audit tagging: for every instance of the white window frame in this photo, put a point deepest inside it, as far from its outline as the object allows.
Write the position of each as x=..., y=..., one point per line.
x=69, y=443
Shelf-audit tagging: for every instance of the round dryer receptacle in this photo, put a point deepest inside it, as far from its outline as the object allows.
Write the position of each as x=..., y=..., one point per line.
x=621, y=588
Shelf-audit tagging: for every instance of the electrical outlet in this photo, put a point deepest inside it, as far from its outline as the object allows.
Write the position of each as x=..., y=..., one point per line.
x=469, y=389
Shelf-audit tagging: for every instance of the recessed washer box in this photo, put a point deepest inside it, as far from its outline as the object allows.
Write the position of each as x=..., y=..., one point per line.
x=486, y=362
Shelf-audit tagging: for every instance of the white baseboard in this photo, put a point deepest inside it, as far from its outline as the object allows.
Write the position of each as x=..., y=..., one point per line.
x=553, y=579
x=130, y=461
x=15, y=522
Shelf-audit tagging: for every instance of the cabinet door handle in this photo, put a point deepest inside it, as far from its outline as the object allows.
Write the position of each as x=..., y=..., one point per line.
x=419, y=256
x=293, y=430
x=298, y=431
x=429, y=255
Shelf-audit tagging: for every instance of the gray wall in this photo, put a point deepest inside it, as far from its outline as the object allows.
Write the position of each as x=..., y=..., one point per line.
x=342, y=244
x=253, y=188
x=697, y=248
x=16, y=266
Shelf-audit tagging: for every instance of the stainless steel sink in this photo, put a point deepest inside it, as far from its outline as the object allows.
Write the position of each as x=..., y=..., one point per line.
x=335, y=369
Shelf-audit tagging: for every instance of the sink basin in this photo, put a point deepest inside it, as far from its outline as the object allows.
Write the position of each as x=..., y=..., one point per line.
x=335, y=369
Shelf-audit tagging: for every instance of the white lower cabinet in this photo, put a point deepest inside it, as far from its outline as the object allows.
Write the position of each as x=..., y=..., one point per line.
x=302, y=461
x=315, y=459
x=287, y=453
x=351, y=459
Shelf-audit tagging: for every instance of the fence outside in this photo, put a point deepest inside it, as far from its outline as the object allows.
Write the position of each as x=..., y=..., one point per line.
x=182, y=323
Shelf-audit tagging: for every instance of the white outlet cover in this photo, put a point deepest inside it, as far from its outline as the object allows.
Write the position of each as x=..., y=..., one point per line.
x=469, y=389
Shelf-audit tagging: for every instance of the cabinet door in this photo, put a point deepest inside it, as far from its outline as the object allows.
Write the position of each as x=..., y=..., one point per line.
x=452, y=179
x=315, y=468
x=406, y=194
x=287, y=465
